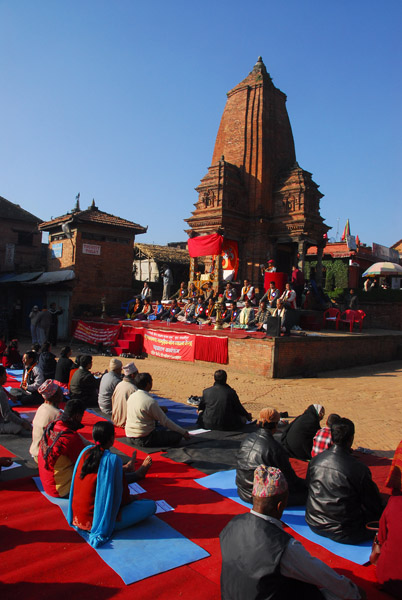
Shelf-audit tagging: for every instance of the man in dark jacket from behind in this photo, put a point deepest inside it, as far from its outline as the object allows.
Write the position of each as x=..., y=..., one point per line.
x=84, y=386
x=261, y=560
x=299, y=435
x=342, y=497
x=260, y=447
x=220, y=407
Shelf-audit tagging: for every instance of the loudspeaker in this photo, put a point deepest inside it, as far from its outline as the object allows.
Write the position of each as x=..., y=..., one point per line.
x=273, y=326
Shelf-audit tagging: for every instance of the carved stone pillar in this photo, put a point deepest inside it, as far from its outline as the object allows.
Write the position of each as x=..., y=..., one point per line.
x=301, y=249
x=193, y=268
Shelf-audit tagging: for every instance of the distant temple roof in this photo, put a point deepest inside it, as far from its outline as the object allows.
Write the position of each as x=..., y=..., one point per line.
x=14, y=212
x=162, y=253
x=92, y=215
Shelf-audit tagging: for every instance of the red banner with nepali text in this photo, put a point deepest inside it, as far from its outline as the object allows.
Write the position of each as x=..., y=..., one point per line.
x=172, y=345
x=97, y=333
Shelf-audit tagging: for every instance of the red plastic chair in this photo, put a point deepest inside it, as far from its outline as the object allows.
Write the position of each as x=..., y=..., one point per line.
x=351, y=317
x=332, y=315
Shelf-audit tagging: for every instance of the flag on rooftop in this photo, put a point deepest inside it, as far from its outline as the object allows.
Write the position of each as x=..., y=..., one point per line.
x=346, y=231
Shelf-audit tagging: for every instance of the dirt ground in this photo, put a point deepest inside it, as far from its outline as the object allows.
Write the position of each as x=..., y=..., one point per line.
x=370, y=396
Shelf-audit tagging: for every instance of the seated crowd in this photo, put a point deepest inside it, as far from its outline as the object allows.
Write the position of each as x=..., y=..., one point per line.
x=259, y=559
x=237, y=311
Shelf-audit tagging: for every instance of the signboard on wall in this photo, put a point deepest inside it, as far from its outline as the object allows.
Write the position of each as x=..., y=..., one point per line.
x=91, y=249
x=386, y=254
x=9, y=256
x=57, y=250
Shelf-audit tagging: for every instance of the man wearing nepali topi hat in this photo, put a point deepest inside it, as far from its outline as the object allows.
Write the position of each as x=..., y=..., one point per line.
x=121, y=394
x=262, y=561
x=260, y=447
x=108, y=384
x=46, y=413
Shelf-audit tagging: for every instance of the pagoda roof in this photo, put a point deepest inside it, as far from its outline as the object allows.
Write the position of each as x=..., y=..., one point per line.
x=92, y=215
x=14, y=212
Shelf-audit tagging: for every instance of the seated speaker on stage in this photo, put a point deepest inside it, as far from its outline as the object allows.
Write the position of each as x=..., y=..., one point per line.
x=181, y=293
x=246, y=316
x=170, y=313
x=229, y=293
x=208, y=292
x=186, y=315
x=208, y=314
x=271, y=295
x=230, y=317
x=191, y=292
x=289, y=296
x=260, y=318
x=247, y=291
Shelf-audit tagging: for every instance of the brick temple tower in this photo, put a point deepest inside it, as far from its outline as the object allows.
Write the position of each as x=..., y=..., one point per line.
x=255, y=192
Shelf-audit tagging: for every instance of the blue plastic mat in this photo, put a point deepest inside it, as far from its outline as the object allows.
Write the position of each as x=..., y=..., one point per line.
x=181, y=414
x=224, y=483
x=16, y=373
x=144, y=550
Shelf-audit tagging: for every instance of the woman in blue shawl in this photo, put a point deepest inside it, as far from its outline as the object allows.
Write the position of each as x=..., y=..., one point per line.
x=100, y=501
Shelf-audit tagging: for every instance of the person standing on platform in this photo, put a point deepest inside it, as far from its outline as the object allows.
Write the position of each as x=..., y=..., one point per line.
x=298, y=284
x=271, y=266
x=167, y=282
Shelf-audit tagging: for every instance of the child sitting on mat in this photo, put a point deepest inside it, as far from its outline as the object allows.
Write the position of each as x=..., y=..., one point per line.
x=100, y=500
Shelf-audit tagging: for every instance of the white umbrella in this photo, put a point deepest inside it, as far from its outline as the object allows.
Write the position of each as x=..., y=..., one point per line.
x=383, y=269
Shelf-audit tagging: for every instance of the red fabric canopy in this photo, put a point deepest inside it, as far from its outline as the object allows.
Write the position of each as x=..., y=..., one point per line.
x=205, y=245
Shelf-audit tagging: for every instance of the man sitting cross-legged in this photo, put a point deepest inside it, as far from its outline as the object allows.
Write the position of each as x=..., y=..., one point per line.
x=10, y=422
x=260, y=560
x=32, y=379
x=260, y=447
x=323, y=439
x=121, y=394
x=342, y=497
x=220, y=407
x=143, y=412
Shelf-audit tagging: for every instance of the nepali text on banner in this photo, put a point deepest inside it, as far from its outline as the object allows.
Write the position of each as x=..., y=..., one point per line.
x=176, y=346
x=97, y=333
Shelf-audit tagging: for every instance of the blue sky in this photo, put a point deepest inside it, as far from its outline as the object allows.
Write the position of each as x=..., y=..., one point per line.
x=121, y=100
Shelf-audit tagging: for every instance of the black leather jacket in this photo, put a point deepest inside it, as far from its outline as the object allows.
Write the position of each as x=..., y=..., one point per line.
x=342, y=496
x=260, y=448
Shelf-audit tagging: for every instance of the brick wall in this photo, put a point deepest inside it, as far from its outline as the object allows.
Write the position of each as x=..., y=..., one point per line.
x=108, y=273
x=252, y=356
x=26, y=257
x=309, y=355
x=383, y=315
